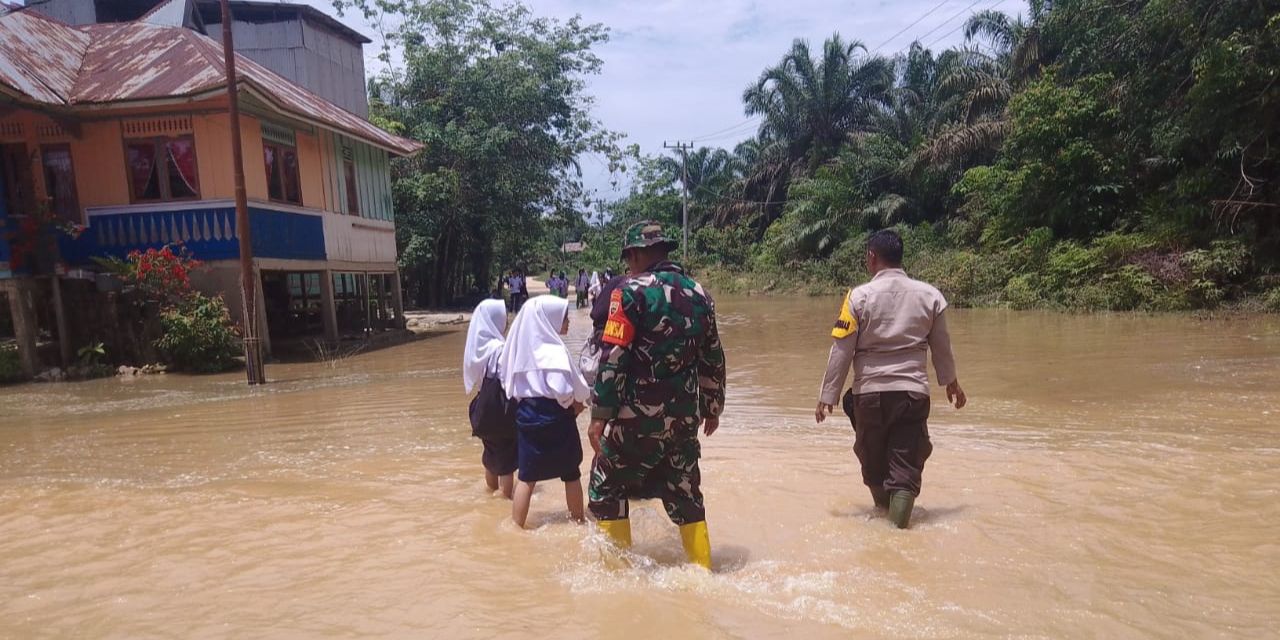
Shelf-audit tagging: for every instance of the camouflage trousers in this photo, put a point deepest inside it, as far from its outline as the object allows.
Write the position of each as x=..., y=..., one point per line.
x=647, y=458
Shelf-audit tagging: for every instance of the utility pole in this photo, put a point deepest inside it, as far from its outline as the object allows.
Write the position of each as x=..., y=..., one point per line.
x=248, y=279
x=684, y=148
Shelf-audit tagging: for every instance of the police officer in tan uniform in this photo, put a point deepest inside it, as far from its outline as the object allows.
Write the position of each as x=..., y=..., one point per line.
x=884, y=331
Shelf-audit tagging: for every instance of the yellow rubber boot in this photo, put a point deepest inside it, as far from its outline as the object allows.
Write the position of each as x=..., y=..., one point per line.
x=697, y=544
x=618, y=531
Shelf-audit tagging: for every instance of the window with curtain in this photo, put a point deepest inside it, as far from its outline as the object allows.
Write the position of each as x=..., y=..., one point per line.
x=162, y=169
x=60, y=181
x=283, y=183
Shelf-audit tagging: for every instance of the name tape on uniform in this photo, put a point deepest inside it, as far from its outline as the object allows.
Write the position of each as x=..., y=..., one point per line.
x=618, y=330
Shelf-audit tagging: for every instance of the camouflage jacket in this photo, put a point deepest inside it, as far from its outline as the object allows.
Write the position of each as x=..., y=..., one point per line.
x=662, y=356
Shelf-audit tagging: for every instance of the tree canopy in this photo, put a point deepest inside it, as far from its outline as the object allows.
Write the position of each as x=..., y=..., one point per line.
x=1088, y=154
x=497, y=96
x=1130, y=146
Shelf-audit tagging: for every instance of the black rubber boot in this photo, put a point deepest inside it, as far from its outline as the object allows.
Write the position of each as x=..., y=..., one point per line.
x=880, y=496
x=900, y=504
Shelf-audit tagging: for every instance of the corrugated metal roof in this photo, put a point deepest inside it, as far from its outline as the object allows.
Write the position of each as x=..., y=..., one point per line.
x=139, y=61
x=39, y=57
x=110, y=63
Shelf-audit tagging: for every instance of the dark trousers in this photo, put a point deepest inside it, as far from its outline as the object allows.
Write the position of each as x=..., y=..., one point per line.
x=891, y=437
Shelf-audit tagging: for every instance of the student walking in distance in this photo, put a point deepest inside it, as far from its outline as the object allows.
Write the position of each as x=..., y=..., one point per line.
x=581, y=287
x=884, y=331
x=662, y=374
x=492, y=416
x=594, y=287
x=519, y=289
x=538, y=373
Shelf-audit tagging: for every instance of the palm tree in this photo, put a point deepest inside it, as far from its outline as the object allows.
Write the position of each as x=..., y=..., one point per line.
x=710, y=174
x=975, y=86
x=811, y=106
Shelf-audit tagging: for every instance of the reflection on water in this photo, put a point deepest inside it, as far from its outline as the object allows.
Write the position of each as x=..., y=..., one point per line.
x=1113, y=476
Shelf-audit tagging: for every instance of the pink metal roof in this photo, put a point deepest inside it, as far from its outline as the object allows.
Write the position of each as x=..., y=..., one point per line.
x=49, y=62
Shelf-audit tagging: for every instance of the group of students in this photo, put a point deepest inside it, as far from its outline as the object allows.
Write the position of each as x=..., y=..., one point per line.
x=529, y=394
x=587, y=287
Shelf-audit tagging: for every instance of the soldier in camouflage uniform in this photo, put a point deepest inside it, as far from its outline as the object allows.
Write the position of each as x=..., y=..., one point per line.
x=662, y=374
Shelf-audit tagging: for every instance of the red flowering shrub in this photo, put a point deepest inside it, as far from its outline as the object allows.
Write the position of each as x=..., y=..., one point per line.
x=198, y=333
x=163, y=274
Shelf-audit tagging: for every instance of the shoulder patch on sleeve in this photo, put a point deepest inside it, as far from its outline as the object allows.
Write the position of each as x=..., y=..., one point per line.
x=618, y=329
x=846, y=325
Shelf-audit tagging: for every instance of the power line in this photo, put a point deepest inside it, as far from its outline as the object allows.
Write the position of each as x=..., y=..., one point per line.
x=962, y=25
x=720, y=196
x=948, y=20
x=904, y=29
x=741, y=125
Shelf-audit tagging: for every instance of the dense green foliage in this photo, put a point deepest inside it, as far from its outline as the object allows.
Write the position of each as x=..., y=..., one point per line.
x=496, y=95
x=1092, y=155
x=10, y=365
x=198, y=335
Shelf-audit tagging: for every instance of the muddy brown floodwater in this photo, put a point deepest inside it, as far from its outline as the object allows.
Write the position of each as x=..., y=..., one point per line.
x=1113, y=476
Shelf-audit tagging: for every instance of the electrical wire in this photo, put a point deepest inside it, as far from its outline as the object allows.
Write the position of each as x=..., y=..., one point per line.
x=904, y=29
x=962, y=25
x=947, y=21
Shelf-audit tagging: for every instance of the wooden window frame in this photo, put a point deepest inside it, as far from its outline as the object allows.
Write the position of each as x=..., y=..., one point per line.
x=351, y=182
x=75, y=191
x=278, y=149
x=163, y=175
x=23, y=203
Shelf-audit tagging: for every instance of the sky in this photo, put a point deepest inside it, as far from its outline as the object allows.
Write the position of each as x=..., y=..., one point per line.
x=676, y=69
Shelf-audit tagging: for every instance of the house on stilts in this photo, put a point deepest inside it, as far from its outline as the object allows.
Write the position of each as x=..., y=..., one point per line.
x=114, y=120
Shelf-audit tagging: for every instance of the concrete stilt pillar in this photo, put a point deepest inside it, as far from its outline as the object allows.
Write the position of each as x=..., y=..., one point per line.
x=328, y=308
x=25, y=329
x=397, y=299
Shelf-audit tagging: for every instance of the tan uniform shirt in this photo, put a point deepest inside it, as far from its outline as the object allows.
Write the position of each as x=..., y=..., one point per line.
x=885, y=329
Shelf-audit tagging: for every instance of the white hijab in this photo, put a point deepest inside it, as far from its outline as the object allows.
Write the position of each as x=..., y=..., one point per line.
x=484, y=343
x=535, y=362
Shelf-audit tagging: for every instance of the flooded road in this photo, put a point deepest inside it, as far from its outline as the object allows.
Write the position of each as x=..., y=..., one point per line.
x=1113, y=476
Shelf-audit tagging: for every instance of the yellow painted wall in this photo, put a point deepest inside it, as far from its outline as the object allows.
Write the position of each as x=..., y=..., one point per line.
x=99, y=161
x=255, y=169
x=213, y=156
x=102, y=177
x=311, y=171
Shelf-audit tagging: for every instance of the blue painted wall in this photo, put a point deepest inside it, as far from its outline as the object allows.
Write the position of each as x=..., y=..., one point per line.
x=210, y=234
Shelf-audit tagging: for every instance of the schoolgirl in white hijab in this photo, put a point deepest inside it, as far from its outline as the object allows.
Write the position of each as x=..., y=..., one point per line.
x=535, y=362
x=484, y=343
x=491, y=418
x=538, y=373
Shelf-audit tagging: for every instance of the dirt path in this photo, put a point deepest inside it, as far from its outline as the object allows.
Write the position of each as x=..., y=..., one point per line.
x=422, y=320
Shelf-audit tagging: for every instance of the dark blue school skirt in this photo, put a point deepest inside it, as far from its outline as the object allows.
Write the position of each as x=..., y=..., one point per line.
x=549, y=443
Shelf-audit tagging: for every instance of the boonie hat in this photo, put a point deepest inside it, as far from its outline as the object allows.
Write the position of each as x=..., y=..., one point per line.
x=647, y=233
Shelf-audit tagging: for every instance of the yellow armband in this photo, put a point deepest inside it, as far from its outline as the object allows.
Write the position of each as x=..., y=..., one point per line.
x=846, y=325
